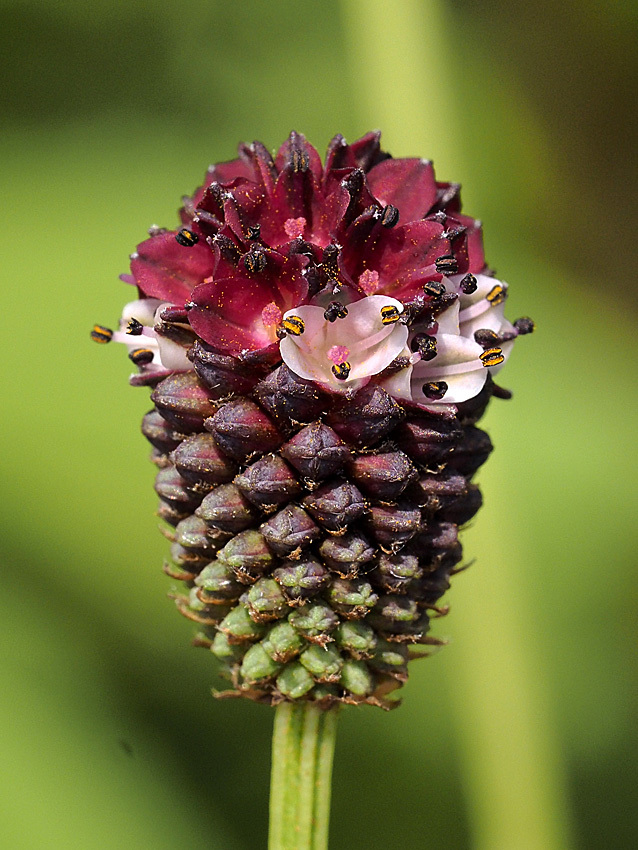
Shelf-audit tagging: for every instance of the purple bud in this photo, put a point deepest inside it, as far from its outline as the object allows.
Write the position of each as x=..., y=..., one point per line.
x=227, y=509
x=316, y=451
x=472, y=451
x=336, y=504
x=217, y=584
x=242, y=430
x=301, y=580
x=437, y=544
x=159, y=432
x=463, y=508
x=367, y=417
x=289, y=531
x=394, y=525
x=191, y=533
x=268, y=482
x=433, y=585
x=171, y=488
x=396, y=615
x=199, y=458
x=348, y=554
x=223, y=375
x=289, y=398
x=188, y=559
x=428, y=440
x=384, y=476
x=183, y=401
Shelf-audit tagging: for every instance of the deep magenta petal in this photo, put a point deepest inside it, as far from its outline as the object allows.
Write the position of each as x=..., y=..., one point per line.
x=164, y=269
x=405, y=183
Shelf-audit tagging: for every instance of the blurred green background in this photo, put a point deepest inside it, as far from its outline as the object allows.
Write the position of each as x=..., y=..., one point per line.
x=522, y=734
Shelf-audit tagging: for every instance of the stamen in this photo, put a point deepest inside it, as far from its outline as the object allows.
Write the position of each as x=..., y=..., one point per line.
x=440, y=216
x=134, y=328
x=369, y=281
x=186, y=237
x=496, y=295
x=338, y=353
x=390, y=314
x=293, y=325
x=271, y=314
x=389, y=216
x=294, y=227
x=524, y=325
x=492, y=357
x=101, y=334
x=341, y=370
x=435, y=389
x=485, y=337
x=254, y=231
x=426, y=345
x=329, y=262
x=335, y=310
x=447, y=264
x=255, y=261
x=141, y=356
x=299, y=159
x=468, y=284
x=434, y=288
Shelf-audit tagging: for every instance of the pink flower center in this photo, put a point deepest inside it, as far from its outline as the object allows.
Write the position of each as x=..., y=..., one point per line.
x=294, y=227
x=271, y=315
x=369, y=281
x=338, y=353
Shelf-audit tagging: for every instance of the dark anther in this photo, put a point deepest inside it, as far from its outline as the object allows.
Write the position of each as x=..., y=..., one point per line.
x=101, y=334
x=341, y=370
x=280, y=332
x=447, y=264
x=134, y=328
x=496, y=295
x=255, y=261
x=335, y=310
x=425, y=345
x=186, y=237
x=440, y=216
x=141, y=356
x=254, y=231
x=390, y=314
x=434, y=288
x=173, y=314
x=293, y=325
x=492, y=357
x=389, y=216
x=486, y=337
x=189, y=305
x=524, y=325
x=468, y=284
x=299, y=159
x=435, y=390
x=329, y=262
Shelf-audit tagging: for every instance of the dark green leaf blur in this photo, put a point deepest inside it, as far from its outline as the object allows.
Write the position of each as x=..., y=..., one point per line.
x=522, y=733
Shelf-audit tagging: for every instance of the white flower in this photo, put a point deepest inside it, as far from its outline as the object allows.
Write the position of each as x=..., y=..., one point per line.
x=137, y=333
x=343, y=346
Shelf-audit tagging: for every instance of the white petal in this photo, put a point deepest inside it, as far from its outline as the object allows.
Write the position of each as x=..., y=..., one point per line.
x=172, y=355
x=448, y=320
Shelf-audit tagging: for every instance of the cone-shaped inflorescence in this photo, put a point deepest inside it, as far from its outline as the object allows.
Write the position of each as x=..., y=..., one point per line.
x=320, y=342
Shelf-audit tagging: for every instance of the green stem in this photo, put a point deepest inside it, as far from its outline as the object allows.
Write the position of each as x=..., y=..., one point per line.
x=302, y=748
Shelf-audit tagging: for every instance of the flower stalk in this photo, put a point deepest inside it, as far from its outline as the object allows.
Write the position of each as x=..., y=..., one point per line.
x=302, y=752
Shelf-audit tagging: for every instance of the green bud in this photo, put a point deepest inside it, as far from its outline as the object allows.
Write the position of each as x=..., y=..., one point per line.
x=239, y=627
x=266, y=601
x=226, y=651
x=352, y=598
x=391, y=658
x=295, y=681
x=314, y=622
x=282, y=642
x=217, y=583
x=357, y=637
x=356, y=678
x=247, y=555
x=258, y=665
x=325, y=692
x=324, y=663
